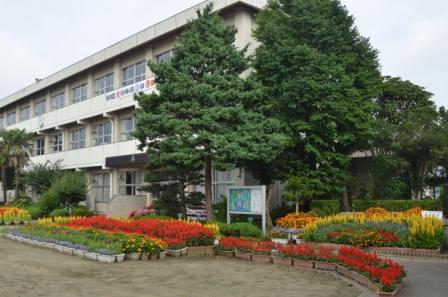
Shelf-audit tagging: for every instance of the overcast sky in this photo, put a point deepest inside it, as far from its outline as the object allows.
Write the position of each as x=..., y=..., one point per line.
x=38, y=38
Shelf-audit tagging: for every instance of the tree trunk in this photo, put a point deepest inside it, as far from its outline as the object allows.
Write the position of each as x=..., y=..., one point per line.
x=17, y=181
x=269, y=190
x=4, y=183
x=345, y=202
x=208, y=187
x=297, y=205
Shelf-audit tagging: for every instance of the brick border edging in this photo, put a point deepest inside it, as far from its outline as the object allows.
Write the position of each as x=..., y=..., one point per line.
x=397, y=251
x=315, y=265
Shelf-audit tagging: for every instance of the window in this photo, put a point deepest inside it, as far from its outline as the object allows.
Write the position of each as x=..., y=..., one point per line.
x=130, y=182
x=25, y=113
x=39, y=147
x=40, y=107
x=103, y=84
x=78, y=138
x=11, y=118
x=79, y=93
x=126, y=127
x=133, y=73
x=222, y=180
x=58, y=101
x=165, y=56
x=56, y=144
x=102, y=133
x=2, y=122
x=101, y=187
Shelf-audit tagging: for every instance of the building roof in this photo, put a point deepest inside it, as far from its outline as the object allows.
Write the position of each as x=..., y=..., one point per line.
x=151, y=33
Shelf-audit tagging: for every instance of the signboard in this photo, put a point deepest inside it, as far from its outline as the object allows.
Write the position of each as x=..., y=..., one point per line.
x=249, y=200
x=437, y=214
x=141, y=86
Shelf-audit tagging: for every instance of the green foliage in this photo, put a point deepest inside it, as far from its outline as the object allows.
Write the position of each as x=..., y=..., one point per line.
x=409, y=139
x=35, y=210
x=59, y=212
x=220, y=209
x=239, y=230
x=154, y=217
x=16, y=148
x=397, y=205
x=197, y=116
x=79, y=210
x=325, y=207
x=49, y=201
x=22, y=201
x=321, y=76
x=82, y=211
x=39, y=177
x=71, y=188
x=281, y=211
x=329, y=207
x=301, y=188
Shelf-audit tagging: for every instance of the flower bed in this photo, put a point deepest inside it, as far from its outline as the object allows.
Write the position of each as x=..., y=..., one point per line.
x=384, y=274
x=13, y=215
x=377, y=228
x=92, y=240
x=177, y=234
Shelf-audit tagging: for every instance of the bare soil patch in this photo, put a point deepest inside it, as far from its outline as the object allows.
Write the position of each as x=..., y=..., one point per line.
x=27, y=271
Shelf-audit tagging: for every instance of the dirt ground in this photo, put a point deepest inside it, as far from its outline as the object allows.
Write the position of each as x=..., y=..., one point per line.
x=27, y=271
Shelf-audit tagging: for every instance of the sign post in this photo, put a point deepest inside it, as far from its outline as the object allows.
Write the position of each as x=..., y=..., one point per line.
x=250, y=200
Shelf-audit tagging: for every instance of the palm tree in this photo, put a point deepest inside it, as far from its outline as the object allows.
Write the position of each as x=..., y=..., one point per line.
x=17, y=145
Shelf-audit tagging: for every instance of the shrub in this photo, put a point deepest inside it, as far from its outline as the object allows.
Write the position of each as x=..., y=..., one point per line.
x=35, y=210
x=72, y=188
x=329, y=207
x=59, y=212
x=239, y=230
x=49, y=202
x=22, y=201
x=82, y=211
x=153, y=217
x=325, y=207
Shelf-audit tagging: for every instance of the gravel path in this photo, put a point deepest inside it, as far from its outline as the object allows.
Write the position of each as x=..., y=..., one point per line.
x=27, y=271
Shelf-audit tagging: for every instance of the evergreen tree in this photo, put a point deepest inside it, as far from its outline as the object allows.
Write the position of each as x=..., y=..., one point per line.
x=409, y=138
x=198, y=115
x=322, y=76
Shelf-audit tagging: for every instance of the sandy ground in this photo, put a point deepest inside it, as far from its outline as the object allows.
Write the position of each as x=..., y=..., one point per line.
x=27, y=271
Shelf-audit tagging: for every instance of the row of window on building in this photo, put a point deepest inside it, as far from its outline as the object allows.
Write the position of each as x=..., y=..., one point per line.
x=130, y=75
x=101, y=134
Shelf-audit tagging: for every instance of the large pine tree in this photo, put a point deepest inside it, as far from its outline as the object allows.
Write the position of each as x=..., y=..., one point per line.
x=322, y=77
x=199, y=114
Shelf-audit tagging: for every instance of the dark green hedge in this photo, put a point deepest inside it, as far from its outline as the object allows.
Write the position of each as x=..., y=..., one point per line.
x=327, y=207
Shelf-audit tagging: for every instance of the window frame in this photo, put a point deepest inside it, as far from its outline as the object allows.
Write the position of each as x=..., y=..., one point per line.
x=39, y=151
x=60, y=104
x=161, y=59
x=96, y=135
x=126, y=135
x=136, y=182
x=8, y=116
x=129, y=80
x=79, y=142
x=103, y=187
x=82, y=89
x=28, y=113
x=41, y=103
x=107, y=88
x=57, y=143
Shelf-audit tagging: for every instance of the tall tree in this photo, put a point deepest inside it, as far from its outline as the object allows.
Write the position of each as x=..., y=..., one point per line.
x=198, y=113
x=322, y=76
x=17, y=144
x=409, y=135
